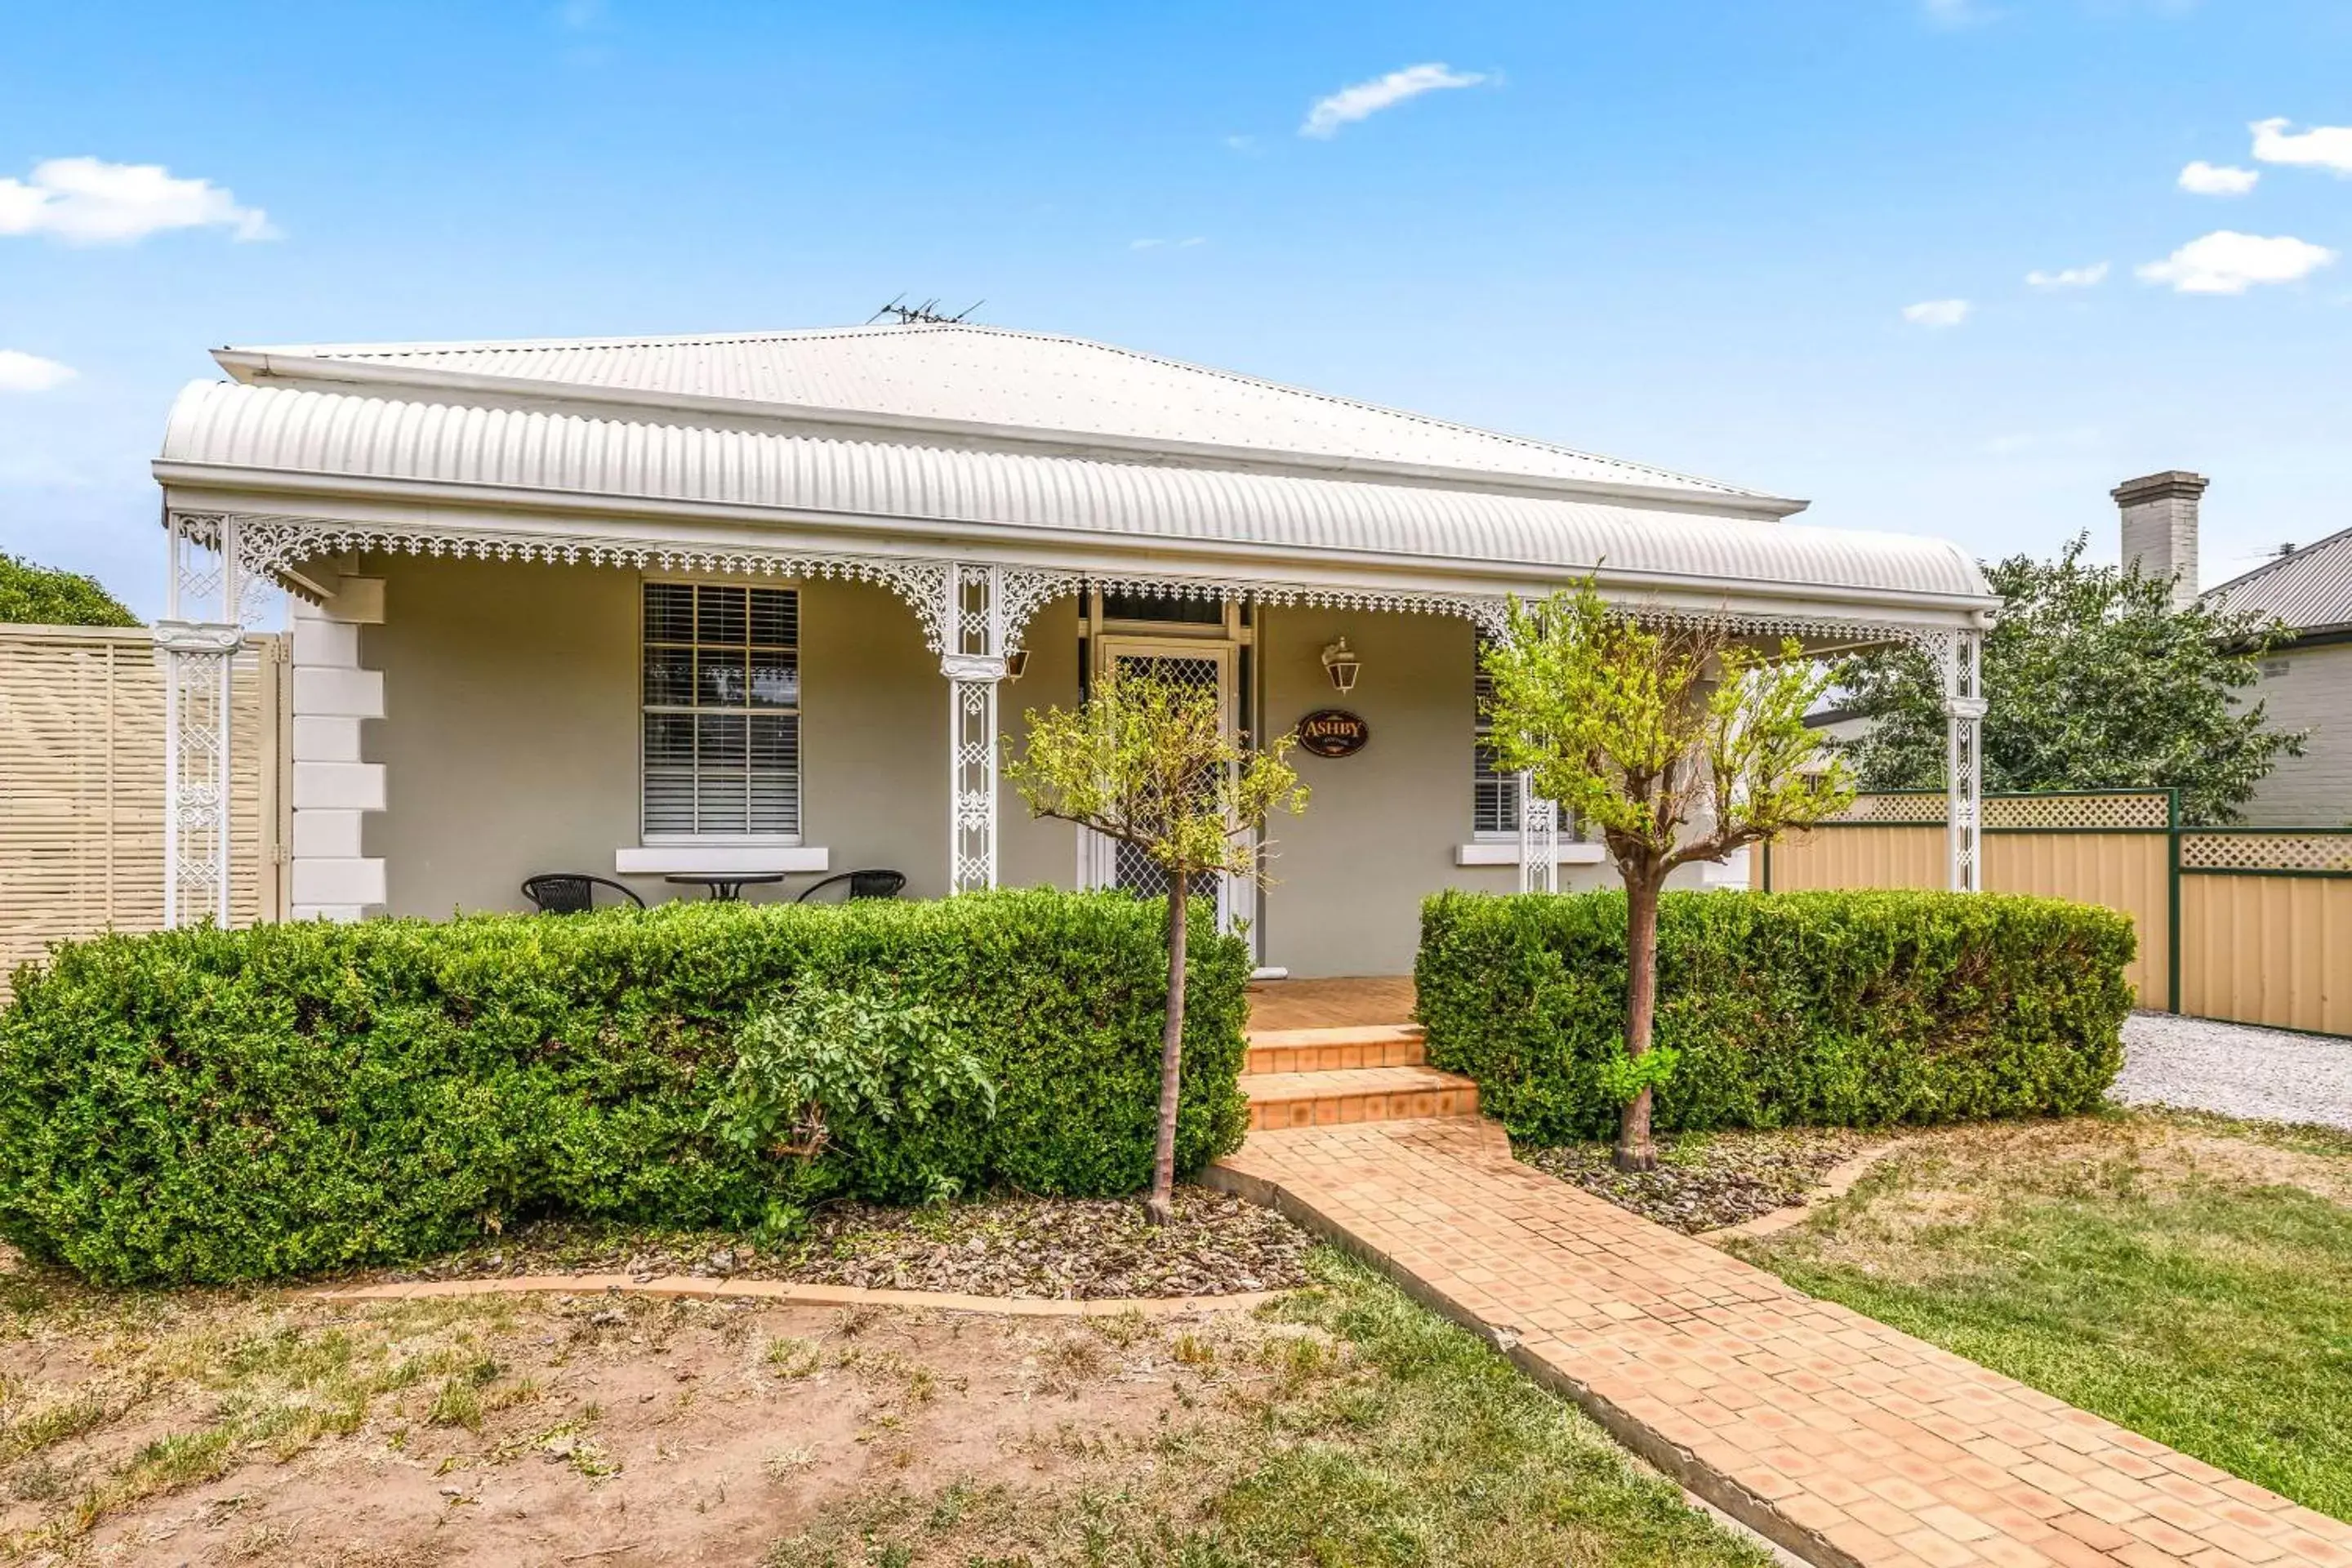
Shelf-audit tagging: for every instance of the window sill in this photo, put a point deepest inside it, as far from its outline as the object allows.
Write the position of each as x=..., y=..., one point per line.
x=717, y=859
x=1508, y=853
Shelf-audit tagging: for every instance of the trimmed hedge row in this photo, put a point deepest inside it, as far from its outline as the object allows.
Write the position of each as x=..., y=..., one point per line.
x=1827, y=1009
x=209, y=1106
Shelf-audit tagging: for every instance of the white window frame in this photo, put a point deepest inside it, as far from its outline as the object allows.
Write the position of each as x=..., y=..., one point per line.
x=796, y=712
x=1480, y=731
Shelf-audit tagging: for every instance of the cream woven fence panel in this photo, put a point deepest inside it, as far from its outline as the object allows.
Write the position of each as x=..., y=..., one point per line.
x=81, y=786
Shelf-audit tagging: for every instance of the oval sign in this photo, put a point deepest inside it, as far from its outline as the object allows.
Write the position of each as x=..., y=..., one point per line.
x=1333, y=732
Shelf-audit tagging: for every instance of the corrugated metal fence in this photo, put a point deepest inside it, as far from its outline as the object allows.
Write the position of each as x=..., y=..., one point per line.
x=81, y=786
x=2248, y=925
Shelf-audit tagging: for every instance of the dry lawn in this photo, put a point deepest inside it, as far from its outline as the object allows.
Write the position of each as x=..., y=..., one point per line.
x=2187, y=1277
x=1345, y=1426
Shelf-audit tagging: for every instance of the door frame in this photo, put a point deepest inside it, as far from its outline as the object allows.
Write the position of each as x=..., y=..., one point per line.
x=1236, y=896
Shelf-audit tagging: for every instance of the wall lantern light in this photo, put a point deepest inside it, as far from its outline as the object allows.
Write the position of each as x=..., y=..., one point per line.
x=1341, y=665
x=1016, y=664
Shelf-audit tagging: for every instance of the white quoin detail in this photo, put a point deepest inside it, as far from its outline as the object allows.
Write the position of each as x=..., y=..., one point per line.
x=334, y=789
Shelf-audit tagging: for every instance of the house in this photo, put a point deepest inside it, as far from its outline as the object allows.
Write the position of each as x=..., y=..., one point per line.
x=2306, y=682
x=771, y=602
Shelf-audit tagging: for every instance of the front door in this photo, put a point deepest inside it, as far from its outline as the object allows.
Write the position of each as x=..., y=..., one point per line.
x=1188, y=661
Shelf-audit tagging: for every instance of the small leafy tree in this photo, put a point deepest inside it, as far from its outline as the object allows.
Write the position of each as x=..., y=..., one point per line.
x=2098, y=680
x=1640, y=732
x=46, y=597
x=1147, y=761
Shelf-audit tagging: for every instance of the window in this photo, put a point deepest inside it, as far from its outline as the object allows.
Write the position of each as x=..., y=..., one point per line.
x=723, y=697
x=1494, y=798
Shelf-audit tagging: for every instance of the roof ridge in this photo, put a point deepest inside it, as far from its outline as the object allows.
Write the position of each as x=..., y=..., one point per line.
x=1332, y=397
x=381, y=351
x=2277, y=561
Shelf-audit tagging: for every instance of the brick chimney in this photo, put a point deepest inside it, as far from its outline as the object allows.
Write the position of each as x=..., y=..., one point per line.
x=2160, y=527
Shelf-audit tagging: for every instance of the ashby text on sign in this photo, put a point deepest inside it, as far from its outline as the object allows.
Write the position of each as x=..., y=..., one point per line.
x=1333, y=732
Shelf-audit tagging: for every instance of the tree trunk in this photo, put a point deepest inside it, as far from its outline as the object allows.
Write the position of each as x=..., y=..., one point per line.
x=1635, y=1152
x=1160, y=1206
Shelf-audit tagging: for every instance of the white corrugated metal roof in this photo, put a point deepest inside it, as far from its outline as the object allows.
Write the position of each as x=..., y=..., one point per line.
x=2308, y=589
x=990, y=377
x=260, y=436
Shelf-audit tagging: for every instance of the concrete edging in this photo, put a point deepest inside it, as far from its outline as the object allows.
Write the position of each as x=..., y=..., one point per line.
x=690, y=1287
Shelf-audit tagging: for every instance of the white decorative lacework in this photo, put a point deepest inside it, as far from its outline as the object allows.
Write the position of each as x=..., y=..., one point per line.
x=1964, y=711
x=972, y=614
x=206, y=600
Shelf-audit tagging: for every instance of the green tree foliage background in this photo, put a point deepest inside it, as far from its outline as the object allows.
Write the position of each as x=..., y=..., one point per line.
x=2098, y=681
x=43, y=595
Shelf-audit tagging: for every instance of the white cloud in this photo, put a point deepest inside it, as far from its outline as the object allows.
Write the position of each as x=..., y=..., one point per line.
x=87, y=201
x=1954, y=12
x=1241, y=143
x=21, y=371
x=2226, y=262
x=1186, y=244
x=2089, y=277
x=2203, y=179
x=1937, y=314
x=2321, y=147
x=1366, y=99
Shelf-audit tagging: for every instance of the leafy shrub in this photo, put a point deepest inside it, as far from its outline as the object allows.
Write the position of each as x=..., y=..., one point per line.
x=827, y=1078
x=1824, y=1009
x=208, y=1106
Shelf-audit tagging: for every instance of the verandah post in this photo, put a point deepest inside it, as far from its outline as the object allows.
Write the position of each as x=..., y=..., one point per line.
x=1964, y=711
x=972, y=657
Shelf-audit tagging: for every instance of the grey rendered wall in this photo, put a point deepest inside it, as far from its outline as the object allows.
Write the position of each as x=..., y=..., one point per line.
x=1381, y=830
x=511, y=735
x=1031, y=853
x=2314, y=691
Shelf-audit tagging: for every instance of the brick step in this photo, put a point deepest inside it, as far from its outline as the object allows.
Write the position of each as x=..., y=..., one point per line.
x=1335, y=1050
x=1279, y=1100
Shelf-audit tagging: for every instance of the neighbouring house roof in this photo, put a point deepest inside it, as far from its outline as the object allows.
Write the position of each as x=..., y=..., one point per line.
x=1073, y=452
x=2309, y=590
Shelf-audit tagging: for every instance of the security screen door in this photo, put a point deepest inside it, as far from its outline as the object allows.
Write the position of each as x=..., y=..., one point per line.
x=1206, y=666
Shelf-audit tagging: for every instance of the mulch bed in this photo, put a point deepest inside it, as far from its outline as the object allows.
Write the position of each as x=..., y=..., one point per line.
x=1055, y=1248
x=1705, y=1181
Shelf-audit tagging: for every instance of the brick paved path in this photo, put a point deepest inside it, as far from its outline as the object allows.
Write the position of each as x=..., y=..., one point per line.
x=1838, y=1438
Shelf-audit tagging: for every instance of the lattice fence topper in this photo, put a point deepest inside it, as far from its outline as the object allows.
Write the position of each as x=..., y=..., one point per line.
x=2124, y=809
x=2225, y=851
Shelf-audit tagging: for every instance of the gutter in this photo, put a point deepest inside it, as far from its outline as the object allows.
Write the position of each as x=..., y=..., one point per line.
x=220, y=487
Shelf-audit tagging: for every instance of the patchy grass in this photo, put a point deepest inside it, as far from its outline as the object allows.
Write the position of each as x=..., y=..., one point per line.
x=1347, y=1425
x=2187, y=1276
x=1343, y=1424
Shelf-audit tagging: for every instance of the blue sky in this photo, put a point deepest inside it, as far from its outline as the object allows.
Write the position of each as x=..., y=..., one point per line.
x=1687, y=234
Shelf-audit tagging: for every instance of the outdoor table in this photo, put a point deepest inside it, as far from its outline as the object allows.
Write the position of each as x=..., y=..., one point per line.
x=727, y=886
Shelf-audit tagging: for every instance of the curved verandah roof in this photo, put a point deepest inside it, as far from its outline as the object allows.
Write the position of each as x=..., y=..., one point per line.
x=1085, y=458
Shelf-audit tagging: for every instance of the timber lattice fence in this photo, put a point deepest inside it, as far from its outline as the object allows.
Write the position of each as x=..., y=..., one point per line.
x=2253, y=925
x=81, y=786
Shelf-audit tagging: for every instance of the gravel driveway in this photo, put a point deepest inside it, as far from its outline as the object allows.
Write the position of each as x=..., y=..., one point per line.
x=2266, y=1075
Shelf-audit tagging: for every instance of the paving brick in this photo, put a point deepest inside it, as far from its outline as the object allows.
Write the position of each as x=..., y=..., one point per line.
x=1839, y=1428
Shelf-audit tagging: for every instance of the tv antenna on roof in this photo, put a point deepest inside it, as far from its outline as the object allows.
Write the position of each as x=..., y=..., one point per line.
x=927, y=313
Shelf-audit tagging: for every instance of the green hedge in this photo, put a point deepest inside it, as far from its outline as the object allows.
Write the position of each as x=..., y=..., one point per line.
x=1824, y=1009
x=209, y=1106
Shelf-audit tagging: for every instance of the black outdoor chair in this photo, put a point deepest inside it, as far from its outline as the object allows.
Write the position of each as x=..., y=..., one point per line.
x=572, y=892
x=862, y=885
